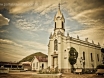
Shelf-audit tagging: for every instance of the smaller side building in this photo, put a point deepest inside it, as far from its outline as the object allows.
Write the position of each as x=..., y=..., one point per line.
x=26, y=65
x=11, y=65
x=39, y=62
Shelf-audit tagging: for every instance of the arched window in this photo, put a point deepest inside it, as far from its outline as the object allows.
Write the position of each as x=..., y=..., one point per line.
x=62, y=25
x=55, y=44
x=83, y=55
x=55, y=25
x=98, y=57
x=91, y=57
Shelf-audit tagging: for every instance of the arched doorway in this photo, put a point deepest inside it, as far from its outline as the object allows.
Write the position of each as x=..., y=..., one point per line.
x=42, y=66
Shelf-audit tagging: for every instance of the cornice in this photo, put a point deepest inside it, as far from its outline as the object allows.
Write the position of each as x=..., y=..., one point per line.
x=84, y=42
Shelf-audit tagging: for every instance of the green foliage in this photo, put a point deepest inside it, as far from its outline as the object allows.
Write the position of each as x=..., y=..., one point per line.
x=49, y=71
x=102, y=50
x=30, y=57
x=73, y=54
x=89, y=71
x=72, y=60
x=100, y=67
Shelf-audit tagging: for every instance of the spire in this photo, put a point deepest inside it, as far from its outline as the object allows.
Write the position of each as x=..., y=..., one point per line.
x=68, y=34
x=77, y=37
x=59, y=14
x=59, y=20
x=50, y=35
x=59, y=5
x=98, y=44
x=92, y=41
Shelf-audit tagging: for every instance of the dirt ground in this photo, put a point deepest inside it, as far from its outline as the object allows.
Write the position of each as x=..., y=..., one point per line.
x=15, y=76
x=82, y=76
x=63, y=76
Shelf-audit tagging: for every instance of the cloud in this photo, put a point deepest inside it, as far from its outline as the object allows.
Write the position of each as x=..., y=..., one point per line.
x=37, y=16
x=34, y=45
x=21, y=6
x=15, y=51
x=24, y=44
x=47, y=16
x=48, y=22
x=51, y=30
x=24, y=24
x=90, y=14
x=86, y=11
x=95, y=34
x=4, y=31
x=9, y=42
x=91, y=17
x=10, y=50
x=5, y=56
x=3, y=20
x=67, y=28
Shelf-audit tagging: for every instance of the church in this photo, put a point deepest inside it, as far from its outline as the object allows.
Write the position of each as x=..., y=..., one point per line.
x=89, y=53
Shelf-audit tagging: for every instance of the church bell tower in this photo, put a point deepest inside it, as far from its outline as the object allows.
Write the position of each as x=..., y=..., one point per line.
x=59, y=21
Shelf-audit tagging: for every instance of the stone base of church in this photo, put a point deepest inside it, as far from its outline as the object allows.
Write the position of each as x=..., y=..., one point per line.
x=69, y=70
x=65, y=70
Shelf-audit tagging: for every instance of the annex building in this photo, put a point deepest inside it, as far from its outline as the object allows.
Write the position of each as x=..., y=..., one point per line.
x=89, y=53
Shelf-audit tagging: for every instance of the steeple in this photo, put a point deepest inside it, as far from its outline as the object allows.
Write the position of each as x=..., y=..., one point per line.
x=59, y=5
x=59, y=20
x=59, y=14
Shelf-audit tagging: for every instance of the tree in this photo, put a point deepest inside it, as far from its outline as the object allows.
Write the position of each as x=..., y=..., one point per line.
x=73, y=54
x=102, y=50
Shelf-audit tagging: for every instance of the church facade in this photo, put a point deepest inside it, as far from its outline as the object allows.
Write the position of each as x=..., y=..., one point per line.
x=89, y=54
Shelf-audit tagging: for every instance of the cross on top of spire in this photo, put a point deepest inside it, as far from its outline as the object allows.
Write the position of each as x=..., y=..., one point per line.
x=59, y=5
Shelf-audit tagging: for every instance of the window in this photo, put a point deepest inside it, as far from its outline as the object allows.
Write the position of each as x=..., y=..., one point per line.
x=55, y=25
x=83, y=55
x=91, y=58
x=98, y=57
x=33, y=64
x=56, y=45
x=62, y=25
x=37, y=65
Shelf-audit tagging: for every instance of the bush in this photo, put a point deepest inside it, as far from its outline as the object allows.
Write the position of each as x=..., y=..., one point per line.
x=48, y=71
x=100, y=67
x=89, y=71
x=40, y=71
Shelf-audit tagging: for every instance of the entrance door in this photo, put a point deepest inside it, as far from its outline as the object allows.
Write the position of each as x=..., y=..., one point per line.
x=55, y=62
x=42, y=66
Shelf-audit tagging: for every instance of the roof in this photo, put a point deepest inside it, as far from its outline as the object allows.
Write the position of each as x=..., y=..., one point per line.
x=30, y=57
x=23, y=63
x=85, y=42
x=26, y=64
x=8, y=63
x=59, y=14
x=42, y=59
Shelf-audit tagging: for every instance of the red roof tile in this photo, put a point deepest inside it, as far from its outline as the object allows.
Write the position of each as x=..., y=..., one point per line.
x=42, y=59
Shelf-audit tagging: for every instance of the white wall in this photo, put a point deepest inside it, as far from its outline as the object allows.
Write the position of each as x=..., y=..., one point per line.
x=36, y=65
x=45, y=65
x=63, y=53
x=80, y=47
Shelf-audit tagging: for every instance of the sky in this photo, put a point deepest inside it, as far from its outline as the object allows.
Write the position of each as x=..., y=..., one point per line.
x=25, y=25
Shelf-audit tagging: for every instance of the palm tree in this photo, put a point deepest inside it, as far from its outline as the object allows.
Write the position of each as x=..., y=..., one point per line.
x=73, y=54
